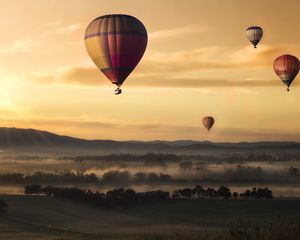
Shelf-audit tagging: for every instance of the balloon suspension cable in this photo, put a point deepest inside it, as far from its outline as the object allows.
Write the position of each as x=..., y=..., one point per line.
x=118, y=91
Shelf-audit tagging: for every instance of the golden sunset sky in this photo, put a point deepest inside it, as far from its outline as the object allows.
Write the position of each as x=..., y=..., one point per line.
x=198, y=62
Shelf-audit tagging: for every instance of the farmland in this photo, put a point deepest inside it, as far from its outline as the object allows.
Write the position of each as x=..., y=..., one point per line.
x=39, y=217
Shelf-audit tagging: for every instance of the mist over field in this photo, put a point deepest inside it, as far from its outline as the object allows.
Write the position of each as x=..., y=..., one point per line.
x=154, y=171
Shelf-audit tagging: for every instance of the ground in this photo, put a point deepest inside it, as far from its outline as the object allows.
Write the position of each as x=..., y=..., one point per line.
x=37, y=217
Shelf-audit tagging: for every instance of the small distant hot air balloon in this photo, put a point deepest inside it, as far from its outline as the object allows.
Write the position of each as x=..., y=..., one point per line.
x=208, y=122
x=286, y=67
x=254, y=34
x=116, y=44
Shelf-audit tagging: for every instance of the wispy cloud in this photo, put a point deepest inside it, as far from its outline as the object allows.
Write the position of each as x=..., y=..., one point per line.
x=72, y=75
x=55, y=23
x=211, y=58
x=92, y=77
x=169, y=33
x=57, y=28
x=186, y=69
x=19, y=45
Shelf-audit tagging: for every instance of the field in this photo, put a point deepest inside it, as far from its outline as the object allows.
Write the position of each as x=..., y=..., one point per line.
x=47, y=218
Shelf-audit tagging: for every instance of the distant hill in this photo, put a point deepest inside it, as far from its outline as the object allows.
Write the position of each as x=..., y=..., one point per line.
x=16, y=138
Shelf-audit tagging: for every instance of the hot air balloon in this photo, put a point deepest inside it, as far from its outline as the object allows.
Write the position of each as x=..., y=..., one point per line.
x=286, y=67
x=116, y=44
x=254, y=34
x=208, y=122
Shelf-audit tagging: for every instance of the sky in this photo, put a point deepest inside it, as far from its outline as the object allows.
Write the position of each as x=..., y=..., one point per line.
x=198, y=62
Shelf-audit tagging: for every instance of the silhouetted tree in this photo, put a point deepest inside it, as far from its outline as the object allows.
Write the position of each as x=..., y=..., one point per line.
x=212, y=193
x=257, y=193
x=33, y=189
x=3, y=207
x=224, y=192
x=264, y=193
x=235, y=195
x=186, y=192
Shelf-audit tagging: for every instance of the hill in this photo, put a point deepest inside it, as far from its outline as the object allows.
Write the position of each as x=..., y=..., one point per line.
x=31, y=139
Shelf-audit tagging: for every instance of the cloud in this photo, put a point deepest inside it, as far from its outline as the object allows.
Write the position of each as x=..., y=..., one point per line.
x=169, y=33
x=187, y=83
x=56, y=28
x=19, y=45
x=72, y=75
x=25, y=44
x=203, y=67
x=92, y=77
x=211, y=58
x=50, y=24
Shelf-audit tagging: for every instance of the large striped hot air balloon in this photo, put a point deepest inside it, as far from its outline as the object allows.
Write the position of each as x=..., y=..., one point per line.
x=254, y=34
x=208, y=122
x=116, y=44
x=286, y=67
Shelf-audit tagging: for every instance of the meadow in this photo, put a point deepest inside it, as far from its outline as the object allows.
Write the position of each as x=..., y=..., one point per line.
x=40, y=217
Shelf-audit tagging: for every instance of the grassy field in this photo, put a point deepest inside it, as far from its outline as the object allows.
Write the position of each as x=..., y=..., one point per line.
x=35, y=217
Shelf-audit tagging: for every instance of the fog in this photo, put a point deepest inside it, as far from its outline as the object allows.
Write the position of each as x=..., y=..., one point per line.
x=149, y=172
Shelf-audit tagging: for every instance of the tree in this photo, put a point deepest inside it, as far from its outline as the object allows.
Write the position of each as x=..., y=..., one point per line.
x=253, y=193
x=186, y=192
x=33, y=189
x=235, y=195
x=224, y=192
x=130, y=196
x=212, y=193
x=176, y=194
x=199, y=188
x=264, y=193
x=3, y=207
x=245, y=194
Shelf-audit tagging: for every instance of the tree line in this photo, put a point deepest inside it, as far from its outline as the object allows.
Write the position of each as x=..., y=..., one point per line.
x=156, y=157
x=149, y=157
x=69, y=177
x=65, y=176
x=222, y=192
x=113, y=198
x=125, y=178
x=161, y=158
x=125, y=197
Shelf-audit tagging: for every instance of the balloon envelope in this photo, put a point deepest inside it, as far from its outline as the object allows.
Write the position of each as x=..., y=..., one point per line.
x=254, y=34
x=116, y=44
x=208, y=122
x=286, y=67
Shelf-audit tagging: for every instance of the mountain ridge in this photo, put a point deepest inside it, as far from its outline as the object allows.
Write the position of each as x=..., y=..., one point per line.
x=14, y=138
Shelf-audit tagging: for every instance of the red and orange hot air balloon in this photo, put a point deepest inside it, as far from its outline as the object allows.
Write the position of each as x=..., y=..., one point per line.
x=208, y=122
x=286, y=67
x=116, y=44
